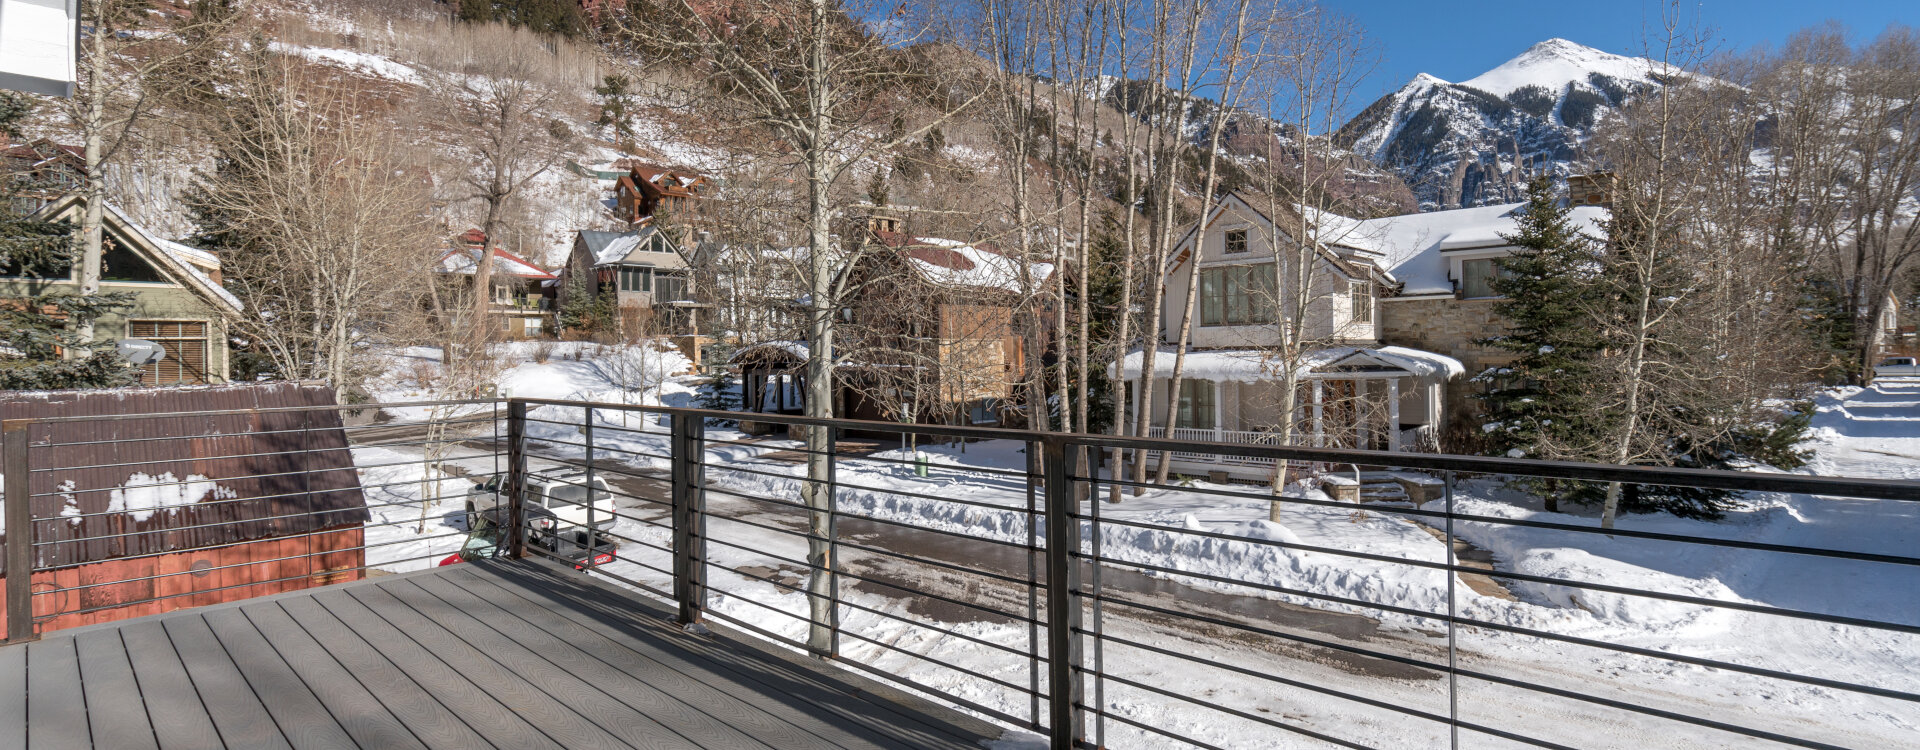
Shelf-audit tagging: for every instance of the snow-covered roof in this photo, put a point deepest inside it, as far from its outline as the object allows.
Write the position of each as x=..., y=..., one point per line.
x=1411, y=245
x=608, y=248
x=1256, y=365
x=955, y=263
x=795, y=349
x=466, y=260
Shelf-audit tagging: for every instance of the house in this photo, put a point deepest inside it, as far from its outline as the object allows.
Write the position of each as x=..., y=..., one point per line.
x=518, y=297
x=647, y=189
x=932, y=334
x=40, y=173
x=1352, y=389
x=136, y=515
x=648, y=279
x=178, y=300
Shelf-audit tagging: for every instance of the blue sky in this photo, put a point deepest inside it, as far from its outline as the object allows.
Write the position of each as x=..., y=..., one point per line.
x=1459, y=39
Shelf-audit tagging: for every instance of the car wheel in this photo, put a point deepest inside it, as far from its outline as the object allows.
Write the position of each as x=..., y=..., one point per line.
x=470, y=515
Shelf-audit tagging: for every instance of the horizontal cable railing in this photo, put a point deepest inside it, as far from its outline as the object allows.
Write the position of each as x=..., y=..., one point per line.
x=1046, y=580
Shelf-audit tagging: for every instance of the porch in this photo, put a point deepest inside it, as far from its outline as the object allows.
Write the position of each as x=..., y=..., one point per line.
x=1370, y=399
x=508, y=653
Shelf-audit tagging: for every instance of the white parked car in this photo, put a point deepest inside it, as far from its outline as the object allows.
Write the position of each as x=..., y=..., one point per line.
x=564, y=494
x=1897, y=367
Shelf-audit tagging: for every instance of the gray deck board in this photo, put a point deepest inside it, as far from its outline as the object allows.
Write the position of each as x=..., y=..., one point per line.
x=13, y=697
x=106, y=677
x=521, y=655
x=180, y=721
x=56, y=706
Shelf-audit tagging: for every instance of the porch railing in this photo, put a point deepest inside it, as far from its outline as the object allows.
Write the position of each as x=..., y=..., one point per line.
x=1068, y=632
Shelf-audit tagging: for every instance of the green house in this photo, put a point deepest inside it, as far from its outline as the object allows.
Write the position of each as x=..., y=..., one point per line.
x=178, y=301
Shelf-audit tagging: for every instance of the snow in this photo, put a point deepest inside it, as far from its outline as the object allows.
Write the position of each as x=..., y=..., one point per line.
x=984, y=268
x=142, y=495
x=365, y=62
x=1554, y=63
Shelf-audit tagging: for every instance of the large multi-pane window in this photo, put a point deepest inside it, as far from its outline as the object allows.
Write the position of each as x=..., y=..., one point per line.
x=636, y=279
x=1195, y=405
x=1476, y=277
x=669, y=288
x=1360, y=297
x=1237, y=295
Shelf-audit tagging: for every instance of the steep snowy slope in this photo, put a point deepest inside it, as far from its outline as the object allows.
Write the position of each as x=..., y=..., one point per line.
x=1463, y=144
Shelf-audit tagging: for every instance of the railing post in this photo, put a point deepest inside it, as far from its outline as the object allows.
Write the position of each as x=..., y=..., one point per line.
x=516, y=478
x=833, y=538
x=590, y=535
x=687, y=443
x=19, y=514
x=1063, y=607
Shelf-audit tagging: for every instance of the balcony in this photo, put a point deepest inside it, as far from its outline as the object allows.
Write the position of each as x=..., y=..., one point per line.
x=715, y=596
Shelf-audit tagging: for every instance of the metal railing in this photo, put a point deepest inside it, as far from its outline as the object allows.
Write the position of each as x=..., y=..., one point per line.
x=1027, y=593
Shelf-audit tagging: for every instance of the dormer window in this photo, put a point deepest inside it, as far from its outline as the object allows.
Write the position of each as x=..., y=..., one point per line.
x=1236, y=241
x=1360, y=296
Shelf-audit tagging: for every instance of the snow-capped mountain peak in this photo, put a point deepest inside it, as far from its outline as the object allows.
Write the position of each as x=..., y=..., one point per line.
x=1456, y=144
x=1554, y=63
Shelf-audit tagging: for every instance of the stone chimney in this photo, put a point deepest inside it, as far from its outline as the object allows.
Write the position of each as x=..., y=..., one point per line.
x=1594, y=189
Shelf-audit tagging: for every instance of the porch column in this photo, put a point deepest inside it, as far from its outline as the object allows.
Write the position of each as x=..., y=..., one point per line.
x=1319, y=414
x=1393, y=414
x=1219, y=409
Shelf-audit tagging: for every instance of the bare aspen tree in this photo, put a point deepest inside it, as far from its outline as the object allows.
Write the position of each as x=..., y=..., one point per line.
x=808, y=76
x=1645, y=290
x=1232, y=58
x=1015, y=32
x=324, y=230
x=1883, y=139
x=1316, y=68
x=123, y=75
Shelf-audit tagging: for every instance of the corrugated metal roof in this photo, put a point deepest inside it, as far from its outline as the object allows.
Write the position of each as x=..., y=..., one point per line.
x=242, y=477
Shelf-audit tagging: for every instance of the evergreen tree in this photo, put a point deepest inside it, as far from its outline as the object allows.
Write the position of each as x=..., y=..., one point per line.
x=616, y=103
x=1533, y=407
x=1532, y=404
x=40, y=346
x=545, y=16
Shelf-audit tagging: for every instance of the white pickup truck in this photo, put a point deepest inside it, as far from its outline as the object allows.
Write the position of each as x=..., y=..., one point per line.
x=1897, y=367
x=563, y=493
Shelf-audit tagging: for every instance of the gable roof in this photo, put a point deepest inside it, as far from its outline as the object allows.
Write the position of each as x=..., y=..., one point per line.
x=466, y=260
x=99, y=487
x=611, y=248
x=962, y=264
x=190, y=266
x=1324, y=224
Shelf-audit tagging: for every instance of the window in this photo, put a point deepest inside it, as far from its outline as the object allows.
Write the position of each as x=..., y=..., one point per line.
x=1236, y=241
x=982, y=413
x=1476, y=278
x=636, y=279
x=117, y=263
x=1196, y=405
x=1360, y=296
x=1237, y=295
x=669, y=288
x=186, y=345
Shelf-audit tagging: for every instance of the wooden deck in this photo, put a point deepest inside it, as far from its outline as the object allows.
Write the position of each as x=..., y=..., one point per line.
x=512, y=655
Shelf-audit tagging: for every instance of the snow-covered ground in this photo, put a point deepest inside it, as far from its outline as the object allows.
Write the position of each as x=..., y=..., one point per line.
x=1861, y=433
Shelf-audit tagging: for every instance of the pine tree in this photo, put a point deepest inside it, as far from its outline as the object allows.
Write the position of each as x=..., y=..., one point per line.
x=616, y=105
x=1533, y=405
x=40, y=346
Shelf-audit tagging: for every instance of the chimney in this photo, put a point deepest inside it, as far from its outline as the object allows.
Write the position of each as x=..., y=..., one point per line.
x=1594, y=189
